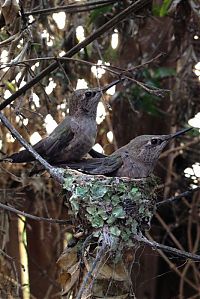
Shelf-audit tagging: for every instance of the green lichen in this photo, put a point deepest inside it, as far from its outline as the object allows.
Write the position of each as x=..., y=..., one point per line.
x=124, y=206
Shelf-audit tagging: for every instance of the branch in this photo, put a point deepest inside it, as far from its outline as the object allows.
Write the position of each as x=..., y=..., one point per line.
x=110, y=24
x=98, y=257
x=173, y=198
x=72, y=8
x=179, y=148
x=36, y=218
x=55, y=172
x=174, y=251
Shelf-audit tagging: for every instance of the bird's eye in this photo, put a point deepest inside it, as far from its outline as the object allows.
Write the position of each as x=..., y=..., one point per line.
x=88, y=94
x=155, y=141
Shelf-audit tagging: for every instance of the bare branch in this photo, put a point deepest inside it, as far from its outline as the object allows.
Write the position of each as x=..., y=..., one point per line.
x=110, y=24
x=36, y=218
x=174, y=251
x=98, y=258
x=72, y=8
x=173, y=198
x=180, y=148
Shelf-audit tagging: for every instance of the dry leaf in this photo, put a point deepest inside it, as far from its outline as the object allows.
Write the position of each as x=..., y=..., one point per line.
x=105, y=271
x=10, y=10
x=69, y=278
x=68, y=258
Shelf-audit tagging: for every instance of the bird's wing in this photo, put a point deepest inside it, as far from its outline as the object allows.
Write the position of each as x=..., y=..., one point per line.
x=59, y=139
x=49, y=146
x=95, y=154
x=99, y=166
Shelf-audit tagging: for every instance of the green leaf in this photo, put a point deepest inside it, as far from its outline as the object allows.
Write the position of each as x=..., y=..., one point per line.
x=81, y=191
x=115, y=200
x=134, y=190
x=161, y=10
x=111, y=219
x=98, y=190
x=97, y=221
x=74, y=203
x=114, y=230
x=10, y=86
x=101, y=212
x=156, y=9
x=91, y=210
x=164, y=7
x=68, y=181
x=163, y=72
x=118, y=212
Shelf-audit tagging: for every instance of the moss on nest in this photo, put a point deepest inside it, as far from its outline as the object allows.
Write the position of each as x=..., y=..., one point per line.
x=125, y=206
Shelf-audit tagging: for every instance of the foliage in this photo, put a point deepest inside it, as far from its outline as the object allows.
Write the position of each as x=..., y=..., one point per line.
x=161, y=10
x=124, y=206
x=143, y=100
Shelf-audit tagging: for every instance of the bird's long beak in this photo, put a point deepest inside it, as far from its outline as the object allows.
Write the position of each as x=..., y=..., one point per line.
x=181, y=132
x=105, y=88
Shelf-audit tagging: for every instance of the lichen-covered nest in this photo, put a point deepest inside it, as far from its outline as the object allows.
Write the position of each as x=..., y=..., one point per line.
x=107, y=213
x=125, y=206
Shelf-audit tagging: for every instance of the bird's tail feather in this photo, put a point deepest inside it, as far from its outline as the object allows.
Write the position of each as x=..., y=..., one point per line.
x=20, y=157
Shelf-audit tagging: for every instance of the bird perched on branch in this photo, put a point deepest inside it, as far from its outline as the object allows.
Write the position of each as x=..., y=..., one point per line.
x=137, y=159
x=75, y=135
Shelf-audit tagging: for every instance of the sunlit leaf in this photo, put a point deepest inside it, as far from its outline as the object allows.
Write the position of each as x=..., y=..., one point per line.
x=114, y=230
x=118, y=212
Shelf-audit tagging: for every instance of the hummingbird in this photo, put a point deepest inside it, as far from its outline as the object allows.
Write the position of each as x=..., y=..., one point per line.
x=75, y=135
x=137, y=159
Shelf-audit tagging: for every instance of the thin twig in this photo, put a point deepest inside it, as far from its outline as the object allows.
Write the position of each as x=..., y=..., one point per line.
x=55, y=172
x=168, y=231
x=110, y=24
x=13, y=264
x=179, y=148
x=173, y=266
x=89, y=274
x=126, y=73
x=173, y=198
x=174, y=251
x=50, y=58
x=71, y=8
x=36, y=218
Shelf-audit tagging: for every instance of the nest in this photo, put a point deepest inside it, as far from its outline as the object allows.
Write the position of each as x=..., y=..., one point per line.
x=125, y=206
x=107, y=213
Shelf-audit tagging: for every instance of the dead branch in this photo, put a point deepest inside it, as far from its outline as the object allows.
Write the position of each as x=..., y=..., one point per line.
x=98, y=258
x=72, y=8
x=174, y=251
x=173, y=198
x=110, y=24
x=33, y=217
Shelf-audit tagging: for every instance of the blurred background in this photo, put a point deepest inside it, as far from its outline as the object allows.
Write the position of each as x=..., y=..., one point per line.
x=160, y=46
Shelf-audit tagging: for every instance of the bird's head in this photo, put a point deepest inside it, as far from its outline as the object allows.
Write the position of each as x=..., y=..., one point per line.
x=147, y=148
x=85, y=101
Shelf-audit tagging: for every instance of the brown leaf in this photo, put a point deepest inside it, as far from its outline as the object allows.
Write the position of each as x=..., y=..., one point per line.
x=69, y=278
x=115, y=271
x=63, y=278
x=10, y=10
x=68, y=258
